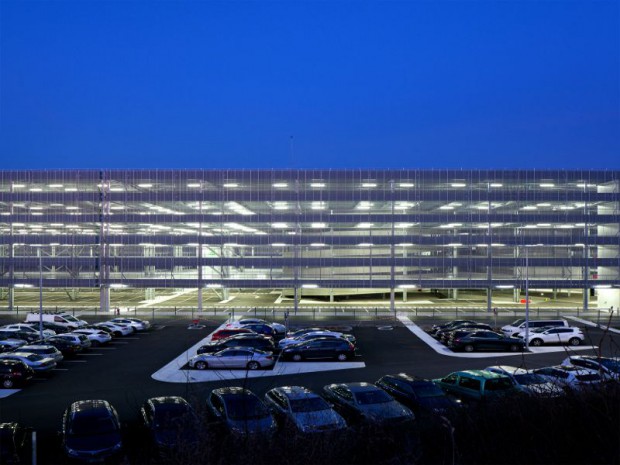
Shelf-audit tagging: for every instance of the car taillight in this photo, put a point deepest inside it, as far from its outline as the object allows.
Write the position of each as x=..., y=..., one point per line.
x=458, y=339
x=16, y=373
x=269, y=357
x=351, y=346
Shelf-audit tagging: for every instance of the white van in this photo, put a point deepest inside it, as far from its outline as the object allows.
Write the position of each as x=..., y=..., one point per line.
x=63, y=319
x=518, y=326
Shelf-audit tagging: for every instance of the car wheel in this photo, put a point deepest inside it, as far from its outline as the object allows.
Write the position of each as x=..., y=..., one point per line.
x=201, y=365
x=342, y=357
x=513, y=347
x=253, y=365
x=574, y=341
x=468, y=348
x=7, y=383
x=536, y=342
x=297, y=357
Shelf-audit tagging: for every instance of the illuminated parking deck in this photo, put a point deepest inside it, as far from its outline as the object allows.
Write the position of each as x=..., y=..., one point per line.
x=320, y=231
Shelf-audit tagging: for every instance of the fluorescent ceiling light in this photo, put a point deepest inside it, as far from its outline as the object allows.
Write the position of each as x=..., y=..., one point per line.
x=309, y=286
x=19, y=186
x=278, y=244
x=55, y=185
x=369, y=184
x=279, y=225
x=364, y=225
x=145, y=185
x=193, y=184
x=280, y=184
x=365, y=244
x=505, y=286
x=317, y=184
x=407, y=286
x=546, y=184
x=458, y=184
x=496, y=184
x=406, y=184
x=317, y=244
x=230, y=185
x=318, y=225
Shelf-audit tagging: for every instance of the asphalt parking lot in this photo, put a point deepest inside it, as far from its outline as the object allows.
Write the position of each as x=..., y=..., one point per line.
x=122, y=372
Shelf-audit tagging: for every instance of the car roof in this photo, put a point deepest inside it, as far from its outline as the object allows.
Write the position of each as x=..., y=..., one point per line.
x=232, y=391
x=411, y=379
x=295, y=392
x=90, y=407
x=508, y=369
x=479, y=374
x=356, y=387
x=167, y=400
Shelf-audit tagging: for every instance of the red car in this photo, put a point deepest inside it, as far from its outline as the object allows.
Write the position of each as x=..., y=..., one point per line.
x=225, y=332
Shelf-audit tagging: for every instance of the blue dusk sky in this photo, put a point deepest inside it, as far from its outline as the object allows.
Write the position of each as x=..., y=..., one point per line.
x=310, y=84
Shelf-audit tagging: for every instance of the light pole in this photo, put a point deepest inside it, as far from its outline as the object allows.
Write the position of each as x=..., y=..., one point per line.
x=40, y=293
x=527, y=301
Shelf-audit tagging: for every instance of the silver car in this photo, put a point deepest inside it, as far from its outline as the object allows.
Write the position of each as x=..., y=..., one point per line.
x=234, y=357
x=303, y=409
x=135, y=323
x=528, y=382
x=45, y=350
x=95, y=336
x=37, y=362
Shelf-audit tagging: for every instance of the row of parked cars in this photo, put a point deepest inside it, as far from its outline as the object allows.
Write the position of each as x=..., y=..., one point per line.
x=469, y=335
x=247, y=344
x=24, y=353
x=91, y=428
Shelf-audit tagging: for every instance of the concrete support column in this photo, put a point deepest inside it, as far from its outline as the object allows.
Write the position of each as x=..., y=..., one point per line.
x=11, y=298
x=404, y=295
x=331, y=295
x=149, y=293
x=104, y=298
x=516, y=295
x=489, y=299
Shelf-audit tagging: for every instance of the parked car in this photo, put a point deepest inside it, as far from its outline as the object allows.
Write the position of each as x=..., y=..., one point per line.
x=26, y=336
x=46, y=350
x=80, y=339
x=555, y=335
x=13, y=442
x=530, y=383
x=463, y=323
x=608, y=366
x=227, y=332
x=171, y=422
x=571, y=377
x=60, y=318
x=301, y=331
x=137, y=324
x=261, y=328
x=91, y=431
x=321, y=348
x=448, y=335
x=419, y=394
x=240, y=411
x=315, y=335
x=10, y=344
x=67, y=347
x=280, y=328
x=14, y=373
x=58, y=329
x=118, y=329
x=449, y=325
x=365, y=403
x=105, y=329
x=38, y=363
x=96, y=337
x=254, y=341
x=518, y=326
x=30, y=329
x=486, y=340
x=236, y=357
x=300, y=408
x=477, y=385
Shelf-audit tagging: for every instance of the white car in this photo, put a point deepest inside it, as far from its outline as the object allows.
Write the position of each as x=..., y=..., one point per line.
x=559, y=335
x=44, y=350
x=571, y=377
x=117, y=328
x=278, y=328
x=138, y=325
x=313, y=335
x=96, y=336
x=29, y=328
x=234, y=357
x=528, y=382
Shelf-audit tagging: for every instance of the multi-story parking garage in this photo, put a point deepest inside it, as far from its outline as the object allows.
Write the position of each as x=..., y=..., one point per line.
x=324, y=232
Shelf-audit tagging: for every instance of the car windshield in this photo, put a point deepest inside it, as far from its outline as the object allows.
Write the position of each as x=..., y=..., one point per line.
x=372, y=397
x=428, y=390
x=498, y=384
x=172, y=416
x=517, y=322
x=34, y=357
x=89, y=425
x=309, y=404
x=244, y=407
x=71, y=318
x=612, y=365
x=527, y=379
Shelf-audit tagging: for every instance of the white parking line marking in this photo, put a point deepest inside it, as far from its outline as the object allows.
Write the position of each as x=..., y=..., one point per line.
x=7, y=392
